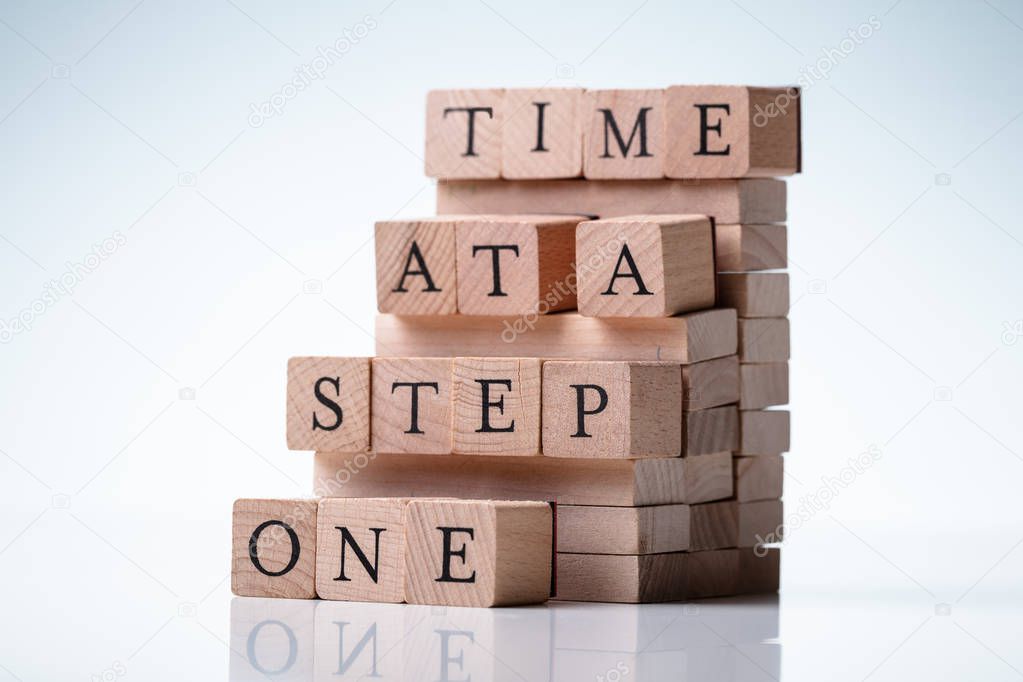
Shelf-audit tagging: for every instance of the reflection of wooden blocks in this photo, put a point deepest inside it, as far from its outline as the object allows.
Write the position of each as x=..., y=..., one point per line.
x=627, y=579
x=645, y=266
x=758, y=478
x=708, y=431
x=463, y=133
x=496, y=406
x=478, y=553
x=731, y=131
x=623, y=530
x=516, y=265
x=711, y=383
x=708, y=478
x=358, y=641
x=612, y=409
x=360, y=549
x=273, y=548
x=271, y=638
x=328, y=404
x=764, y=339
x=714, y=525
x=714, y=573
x=759, y=571
x=755, y=294
x=542, y=134
x=764, y=432
x=740, y=248
x=415, y=262
x=623, y=134
x=760, y=523
x=411, y=409
x=763, y=385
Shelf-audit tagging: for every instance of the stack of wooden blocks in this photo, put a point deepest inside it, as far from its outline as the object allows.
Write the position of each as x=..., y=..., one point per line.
x=586, y=323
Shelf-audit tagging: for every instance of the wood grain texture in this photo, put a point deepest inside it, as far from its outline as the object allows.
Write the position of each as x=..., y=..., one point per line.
x=448, y=151
x=411, y=406
x=763, y=385
x=764, y=432
x=758, y=478
x=645, y=265
x=415, y=262
x=707, y=478
x=623, y=530
x=336, y=419
x=492, y=553
x=639, y=579
x=710, y=383
x=684, y=339
x=759, y=200
x=761, y=523
x=708, y=431
x=273, y=548
x=376, y=528
x=542, y=136
x=714, y=525
x=623, y=410
x=623, y=134
x=755, y=294
x=759, y=573
x=764, y=339
x=741, y=248
x=495, y=406
x=713, y=573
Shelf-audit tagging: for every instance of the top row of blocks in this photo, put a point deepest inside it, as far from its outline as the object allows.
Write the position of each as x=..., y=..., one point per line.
x=685, y=131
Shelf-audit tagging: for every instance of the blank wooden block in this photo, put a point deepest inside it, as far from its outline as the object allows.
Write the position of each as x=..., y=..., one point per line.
x=714, y=573
x=758, y=478
x=640, y=579
x=542, y=133
x=764, y=432
x=755, y=294
x=763, y=385
x=764, y=339
x=623, y=530
x=708, y=478
x=623, y=134
x=612, y=409
x=478, y=553
x=645, y=266
x=761, y=523
x=516, y=265
x=708, y=431
x=328, y=403
x=759, y=570
x=360, y=549
x=463, y=133
x=411, y=408
x=415, y=262
x=273, y=548
x=496, y=406
x=270, y=637
x=710, y=383
x=714, y=525
x=685, y=339
x=730, y=131
x=741, y=248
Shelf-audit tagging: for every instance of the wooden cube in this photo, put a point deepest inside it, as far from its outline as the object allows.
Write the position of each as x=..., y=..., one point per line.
x=496, y=406
x=623, y=530
x=764, y=432
x=758, y=478
x=764, y=339
x=415, y=262
x=731, y=131
x=542, y=134
x=713, y=525
x=516, y=265
x=478, y=553
x=712, y=430
x=645, y=266
x=411, y=409
x=360, y=549
x=710, y=383
x=759, y=570
x=639, y=579
x=708, y=478
x=273, y=548
x=761, y=523
x=740, y=248
x=623, y=134
x=463, y=133
x=621, y=410
x=755, y=294
x=763, y=385
x=328, y=404
x=713, y=573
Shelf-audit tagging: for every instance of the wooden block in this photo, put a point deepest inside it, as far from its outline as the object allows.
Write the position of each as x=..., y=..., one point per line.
x=623, y=134
x=478, y=553
x=764, y=432
x=411, y=407
x=755, y=294
x=708, y=431
x=763, y=385
x=645, y=266
x=463, y=133
x=764, y=339
x=273, y=548
x=623, y=530
x=714, y=525
x=760, y=200
x=758, y=478
x=415, y=262
x=759, y=571
x=271, y=638
x=714, y=573
x=612, y=409
x=357, y=641
x=542, y=134
x=618, y=483
x=685, y=339
x=741, y=248
x=360, y=549
x=625, y=579
x=328, y=403
x=708, y=478
x=495, y=406
x=710, y=383
x=730, y=131
x=516, y=265
x=761, y=523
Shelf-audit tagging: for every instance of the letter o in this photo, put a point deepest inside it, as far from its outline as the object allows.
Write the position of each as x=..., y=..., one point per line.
x=296, y=547
x=250, y=647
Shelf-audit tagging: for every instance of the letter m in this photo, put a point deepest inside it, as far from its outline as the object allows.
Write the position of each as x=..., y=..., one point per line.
x=611, y=128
